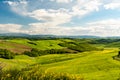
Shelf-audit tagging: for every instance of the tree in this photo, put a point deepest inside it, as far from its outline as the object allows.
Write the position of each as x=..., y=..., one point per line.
x=4, y=53
x=119, y=54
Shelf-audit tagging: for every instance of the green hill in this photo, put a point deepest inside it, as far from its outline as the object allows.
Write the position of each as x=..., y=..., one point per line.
x=87, y=63
x=99, y=64
x=114, y=44
x=21, y=45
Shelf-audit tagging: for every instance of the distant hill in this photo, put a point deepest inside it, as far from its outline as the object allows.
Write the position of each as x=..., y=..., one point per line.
x=44, y=36
x=84, y=36
x=13, y=34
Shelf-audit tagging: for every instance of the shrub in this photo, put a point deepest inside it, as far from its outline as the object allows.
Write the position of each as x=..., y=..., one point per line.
x=118, y=54
x=33, y=53
x=4, y=53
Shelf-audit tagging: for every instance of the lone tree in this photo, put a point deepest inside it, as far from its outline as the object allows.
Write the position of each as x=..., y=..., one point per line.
x=119, y=54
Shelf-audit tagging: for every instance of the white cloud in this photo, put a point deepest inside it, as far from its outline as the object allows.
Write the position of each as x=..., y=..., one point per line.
x=110, y=27
x=19, y=7
x=106, y=22
x=62, y=1
x=38, y=28
x=84, y=7
x=81, y=8
x=10, y=27
x=52, y=17
x=61, y=15
x=112, y=6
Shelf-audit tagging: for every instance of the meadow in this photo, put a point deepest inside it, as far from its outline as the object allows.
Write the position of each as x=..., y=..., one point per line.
x=86, y=65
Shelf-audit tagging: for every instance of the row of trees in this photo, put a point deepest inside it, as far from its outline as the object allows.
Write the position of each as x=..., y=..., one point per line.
x=35, y=52
x=4, y=53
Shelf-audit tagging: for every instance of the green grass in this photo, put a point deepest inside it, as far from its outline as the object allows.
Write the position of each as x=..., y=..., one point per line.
x=94, y=65
x=41, y=44
x=91, y=65
x=98, y=66
x=114, y=44
x=21, y=45
x=14, y=47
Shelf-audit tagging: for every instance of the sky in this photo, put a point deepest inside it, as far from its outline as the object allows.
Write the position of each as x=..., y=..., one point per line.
x=60, y=17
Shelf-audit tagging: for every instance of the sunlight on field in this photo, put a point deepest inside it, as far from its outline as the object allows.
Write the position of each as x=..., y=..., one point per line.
x=97, y=65
x=40, y=44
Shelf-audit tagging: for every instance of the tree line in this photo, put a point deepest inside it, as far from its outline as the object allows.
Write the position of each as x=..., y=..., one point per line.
x=35, y=52
x=4, y=53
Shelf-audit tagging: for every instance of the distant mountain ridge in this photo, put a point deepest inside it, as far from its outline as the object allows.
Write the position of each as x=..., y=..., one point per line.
x=45, y=36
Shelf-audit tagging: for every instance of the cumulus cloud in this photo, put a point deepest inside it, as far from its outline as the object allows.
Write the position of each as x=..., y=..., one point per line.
x=19, y=7
x=112, y=6
x=38, y=28
x=60, y=16
x=108, y=27
x=84, y=7
x=81, y=8
x=52, y=19
x=62, y=1
x=10, y=27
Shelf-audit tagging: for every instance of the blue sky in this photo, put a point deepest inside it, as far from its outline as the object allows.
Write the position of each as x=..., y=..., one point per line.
x=60, y=17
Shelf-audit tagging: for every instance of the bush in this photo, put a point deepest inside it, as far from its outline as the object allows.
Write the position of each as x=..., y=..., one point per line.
x=118, y=54
x=33, y=53
x=4, y=53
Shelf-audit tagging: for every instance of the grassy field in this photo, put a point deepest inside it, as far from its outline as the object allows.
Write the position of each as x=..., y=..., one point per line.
x=94, y=65
x=14, y=47
x=40, y=44
x=88, y=65
x=21, y=45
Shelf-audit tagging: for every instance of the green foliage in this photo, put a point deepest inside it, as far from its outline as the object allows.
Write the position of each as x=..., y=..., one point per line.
x=35, y=52
x=4, y=53
x=119, y=54
x=117, y=57
x=56, y=51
